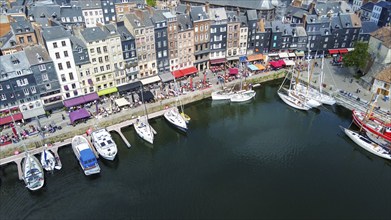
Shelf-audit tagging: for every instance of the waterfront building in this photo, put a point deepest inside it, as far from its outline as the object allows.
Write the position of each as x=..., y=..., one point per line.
x=345, y=29
x=161, y=20
x=381, y=13
x=58, y=44
x=218, y=36
x=17, y=85
x=233, y=37
x=129, y=53
x=123, y=7
x=105, y=53
x=382, y=83
x=366, y=11
x=83, y=64
x=243, y=35
x=141, y=27
x=318, y=32
x=23, y=31
x=172, y=39
x=380, y=45
x=201, y=24
x=357, y=4
x=262, y=36
x=265, y=8
x=92, y=12
x=115, y=53
x=46, y=79
x=108, y=9
x=185, y=42
x=252, y=20
x=281, y=36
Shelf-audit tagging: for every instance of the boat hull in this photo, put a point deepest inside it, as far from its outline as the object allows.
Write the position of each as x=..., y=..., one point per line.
x=104, y=144
x=293, y=102
x=221, y=95
x=367, y=144
x=80, y=143
x=243, y=96
x=144, y=130
x=33, y=173
x=175, y=119
x=377, y=125
x=47, y=160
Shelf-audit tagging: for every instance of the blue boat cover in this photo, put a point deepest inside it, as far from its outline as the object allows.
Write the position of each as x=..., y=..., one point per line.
x=87, y=158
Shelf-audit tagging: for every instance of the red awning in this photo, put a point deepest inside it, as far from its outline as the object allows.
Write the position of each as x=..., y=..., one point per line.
x=216, y=61
x=277, y=64
x=233, y=71
x=333, y=51
x=177, y=74
x=342, y=51
x=8, y=119
x=189, y=71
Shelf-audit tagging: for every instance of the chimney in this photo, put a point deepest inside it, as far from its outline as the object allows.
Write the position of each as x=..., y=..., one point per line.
x=262, y=25
x=304, y=21
x=238, y=11
x=312, y=7
x=207, y=7
x=187, y=9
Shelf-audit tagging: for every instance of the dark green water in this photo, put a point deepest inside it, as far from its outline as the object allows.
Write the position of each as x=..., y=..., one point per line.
x=260, y=160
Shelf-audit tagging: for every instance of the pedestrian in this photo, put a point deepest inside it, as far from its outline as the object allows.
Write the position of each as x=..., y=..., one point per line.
x=63, y=117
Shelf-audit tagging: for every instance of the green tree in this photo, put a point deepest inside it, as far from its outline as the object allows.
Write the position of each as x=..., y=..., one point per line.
x=358, y=57
x=151, y=3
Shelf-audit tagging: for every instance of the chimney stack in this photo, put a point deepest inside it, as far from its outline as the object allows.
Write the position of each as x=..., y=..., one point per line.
x=187, y=9
x=262, y=25
x=238, y=11
x=207, y=7
x=312, y=7
x=304, y=21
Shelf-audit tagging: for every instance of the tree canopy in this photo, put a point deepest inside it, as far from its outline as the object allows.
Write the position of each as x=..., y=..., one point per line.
x=151, y=3
x=358, y=57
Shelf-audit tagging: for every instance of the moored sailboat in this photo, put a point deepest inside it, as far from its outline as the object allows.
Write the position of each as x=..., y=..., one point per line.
x=48, y=161
x=369, y=145
x=372, y=124
x=142, y=126
x=32, y=173
x=173, y=116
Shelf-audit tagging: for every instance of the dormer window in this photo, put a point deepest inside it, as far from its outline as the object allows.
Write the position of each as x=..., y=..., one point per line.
x=40, y=59
x=14, y=60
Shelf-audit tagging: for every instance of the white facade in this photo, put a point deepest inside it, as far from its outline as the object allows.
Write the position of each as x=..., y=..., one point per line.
x=243, y=41
x=381, y=87
x=356, y=5
x=92, y=17
x=376, y=13
x=84, y=73
x=60, y=50
x=116, y=59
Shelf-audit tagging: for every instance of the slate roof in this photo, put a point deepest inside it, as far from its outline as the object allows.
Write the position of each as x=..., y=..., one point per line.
x=7, y=66
x=184, y=22
x=232, y=17
x=5, y=41
x=300, y=31
x=144, y=20
x=243, y=21
x=252, y=15
x=181, y=9
x=196, y=11
x=71, y=12
x=249, y=4
x=217, y=14
x=322, y=8
x=44, y=11
x=158, y=16
x=77, y=43
x=89, y=4
x=55, y=33
x=110, y=29
x=21, y=26
x=33, y=52
x=93, y=34
x=368, y=27
x=383, y=4
x=124, y=32
x=368, y=6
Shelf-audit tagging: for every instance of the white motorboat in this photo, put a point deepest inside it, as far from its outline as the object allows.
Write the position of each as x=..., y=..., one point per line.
x=243, y=96
x=143, y=129
x=32, y=173
x=222, y=95
x=85, y=155
x=47, y=160
x=104, y=144
x=369, y=145
x=293, y=101
x=173, y=116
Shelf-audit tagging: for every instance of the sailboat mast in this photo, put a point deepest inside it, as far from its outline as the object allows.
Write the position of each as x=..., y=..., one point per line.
x=321, y=75
x=13, y=121
x=142, y=98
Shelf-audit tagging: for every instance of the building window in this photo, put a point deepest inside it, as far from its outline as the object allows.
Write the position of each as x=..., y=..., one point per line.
x=60, y=66
x=29, y=39
x=55, y=44
x=71, y=76
x=57, y=54
x=63, y=43
x=42, y=67
x=68, y=64
x=66, y=53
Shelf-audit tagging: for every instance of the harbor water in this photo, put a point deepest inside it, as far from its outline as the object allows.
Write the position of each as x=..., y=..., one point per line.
x=253, y=160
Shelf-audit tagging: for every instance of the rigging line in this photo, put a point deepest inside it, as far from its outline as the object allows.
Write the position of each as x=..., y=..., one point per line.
x=332, y=78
